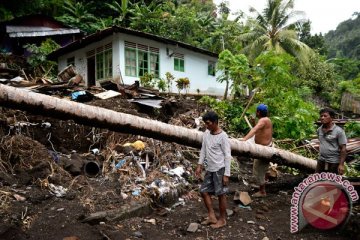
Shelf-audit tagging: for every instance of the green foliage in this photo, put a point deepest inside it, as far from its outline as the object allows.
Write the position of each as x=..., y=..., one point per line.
x=347, y=69
x=182, y=84
x=273, y=29
x=169, y=80
x=161, y=85
x=319, y=76
x=352, y=170
x=79, y=15
x=39, y=53
x=344, y=42
x=122, y=11
x=352, y=129
x=147, y=80
x=292, y=116
x=229, y=112
x=316, y=42
x=236, y=67
x=351, y=86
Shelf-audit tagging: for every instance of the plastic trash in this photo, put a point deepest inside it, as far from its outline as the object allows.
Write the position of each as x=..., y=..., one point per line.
x=242, y=206
x=136, y=192
x=95, y=151
x=58, y=191
x=179, y=171
x=138, y=145
x=46, y=125
x=120, y=163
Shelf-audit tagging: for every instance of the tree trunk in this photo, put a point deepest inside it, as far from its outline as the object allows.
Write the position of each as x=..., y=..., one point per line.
x=120, y=122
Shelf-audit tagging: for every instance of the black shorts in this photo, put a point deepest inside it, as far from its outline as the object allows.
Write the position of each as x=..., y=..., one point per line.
x=213, y=183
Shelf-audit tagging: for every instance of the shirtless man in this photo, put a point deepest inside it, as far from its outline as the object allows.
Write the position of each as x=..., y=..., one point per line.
x=263, y=135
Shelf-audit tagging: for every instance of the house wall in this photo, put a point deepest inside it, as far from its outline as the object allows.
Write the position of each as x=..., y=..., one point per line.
x=196, y=64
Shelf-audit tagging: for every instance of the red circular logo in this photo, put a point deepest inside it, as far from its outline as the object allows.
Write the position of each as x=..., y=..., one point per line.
x=325, y=205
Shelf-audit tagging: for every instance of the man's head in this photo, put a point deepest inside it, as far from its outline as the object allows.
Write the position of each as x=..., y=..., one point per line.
x=326, y=115
x=262, y=110
x=211, y=120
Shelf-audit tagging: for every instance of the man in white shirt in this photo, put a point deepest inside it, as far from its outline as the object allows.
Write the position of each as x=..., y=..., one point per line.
x=215, y=155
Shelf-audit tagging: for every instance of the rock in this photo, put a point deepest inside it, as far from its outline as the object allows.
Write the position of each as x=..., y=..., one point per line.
x=193, y=227
x=250, y=222
x=259, y=211
x=265, y=238
x=152, y=221
x=71, y=238
x=261, y=228
x=260, y=216
x=19, y=198
x=245, y=199
x=229, y=212
x=265, y=208
x=138, y=234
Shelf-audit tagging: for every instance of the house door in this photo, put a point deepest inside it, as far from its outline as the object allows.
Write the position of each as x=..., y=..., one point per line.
x=91, y=71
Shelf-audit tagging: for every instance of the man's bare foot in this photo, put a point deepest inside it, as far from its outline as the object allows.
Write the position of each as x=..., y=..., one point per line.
x=218, y=224
x=259, y=195
x=208, y=221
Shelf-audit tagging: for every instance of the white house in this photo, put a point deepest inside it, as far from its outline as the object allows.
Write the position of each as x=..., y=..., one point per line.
x=115, y=51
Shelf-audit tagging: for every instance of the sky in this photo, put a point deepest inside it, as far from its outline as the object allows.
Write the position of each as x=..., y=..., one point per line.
x=324, y=15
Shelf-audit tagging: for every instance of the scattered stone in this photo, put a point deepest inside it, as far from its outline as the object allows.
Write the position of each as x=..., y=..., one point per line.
x=102, y=223
x=71, y=238
x=138, y=234
x=243, y=197
x=261, y=228
x=250, y=222
x=152, y=221
x=265, y=208
x=229, y=212
x=193, y=227
x=259, y=211
x=19, y=198
x=60, y=209
x=265, y=238
x=260, y=216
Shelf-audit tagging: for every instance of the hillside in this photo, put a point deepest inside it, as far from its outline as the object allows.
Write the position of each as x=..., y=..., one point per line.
x=344, y=42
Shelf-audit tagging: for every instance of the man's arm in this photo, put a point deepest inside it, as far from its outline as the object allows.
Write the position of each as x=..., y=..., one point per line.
x=341, y=168
x=342, y=140
x=201, y=158
x=254, y=130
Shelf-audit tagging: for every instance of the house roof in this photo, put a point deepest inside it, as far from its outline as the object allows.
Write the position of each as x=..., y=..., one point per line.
x=25, y=31
x=35, y=25
x=115, y=29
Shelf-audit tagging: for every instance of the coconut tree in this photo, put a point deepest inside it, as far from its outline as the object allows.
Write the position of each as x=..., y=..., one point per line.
x=274, y=29
x=126, y=123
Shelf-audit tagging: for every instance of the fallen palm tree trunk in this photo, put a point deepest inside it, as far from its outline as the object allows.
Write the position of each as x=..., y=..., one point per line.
x=120, y=122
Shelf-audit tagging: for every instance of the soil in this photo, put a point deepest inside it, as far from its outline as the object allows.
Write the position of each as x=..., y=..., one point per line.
x=39, y=155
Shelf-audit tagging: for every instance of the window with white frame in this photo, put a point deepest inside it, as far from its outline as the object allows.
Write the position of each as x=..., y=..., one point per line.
x=179, y=62
x=103, y=59
x=211, y=68
x=141, y=59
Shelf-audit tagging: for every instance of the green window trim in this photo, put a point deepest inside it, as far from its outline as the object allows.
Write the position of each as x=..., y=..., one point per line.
x=103, y=65
x=139, y=61
x=179, y=64
x=211, y=68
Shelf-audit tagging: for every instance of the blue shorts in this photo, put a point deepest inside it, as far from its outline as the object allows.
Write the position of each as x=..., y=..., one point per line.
x=213, y=183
